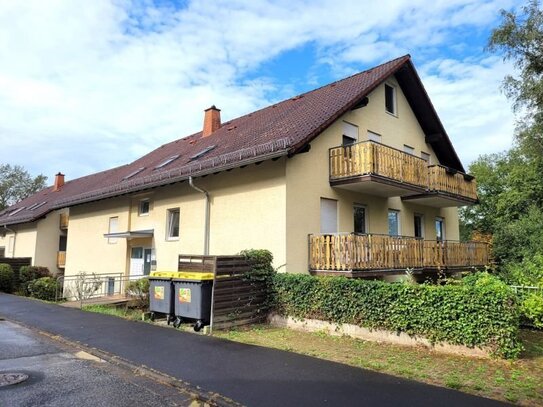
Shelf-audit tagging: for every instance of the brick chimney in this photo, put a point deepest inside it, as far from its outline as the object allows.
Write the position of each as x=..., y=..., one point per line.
x=212, y=120
x=59, y=181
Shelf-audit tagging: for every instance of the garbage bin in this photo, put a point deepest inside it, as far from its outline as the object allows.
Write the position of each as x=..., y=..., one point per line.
x=193, y=298
x=161, y=295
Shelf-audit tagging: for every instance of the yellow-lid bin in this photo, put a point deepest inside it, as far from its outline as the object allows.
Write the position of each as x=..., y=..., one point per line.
x=185, y=275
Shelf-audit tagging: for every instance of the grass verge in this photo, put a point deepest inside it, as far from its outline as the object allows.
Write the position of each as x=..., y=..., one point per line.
x=519, y=381
x=122, y=312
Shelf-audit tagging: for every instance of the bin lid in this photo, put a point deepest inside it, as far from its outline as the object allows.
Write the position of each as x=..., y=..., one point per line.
x=163, y=274
x=188, y=275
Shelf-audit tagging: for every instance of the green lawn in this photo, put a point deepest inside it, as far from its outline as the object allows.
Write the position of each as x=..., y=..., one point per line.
x=122, y=312
x=519, y=381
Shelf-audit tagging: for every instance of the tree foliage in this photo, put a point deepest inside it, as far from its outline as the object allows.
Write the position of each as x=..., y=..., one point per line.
x=16, y=184
x=510, y=185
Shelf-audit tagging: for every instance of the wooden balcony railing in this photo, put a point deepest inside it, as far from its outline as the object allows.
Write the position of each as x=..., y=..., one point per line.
x=61, y=260
x=64, y=219
x=441, y=180
x=347, y=252
x=371, y=158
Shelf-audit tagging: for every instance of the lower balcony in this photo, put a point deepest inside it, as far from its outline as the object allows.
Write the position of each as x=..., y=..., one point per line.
x=357, y=255
x=61, y=260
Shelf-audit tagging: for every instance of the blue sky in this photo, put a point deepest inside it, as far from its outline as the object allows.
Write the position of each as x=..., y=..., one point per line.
x=85, y=86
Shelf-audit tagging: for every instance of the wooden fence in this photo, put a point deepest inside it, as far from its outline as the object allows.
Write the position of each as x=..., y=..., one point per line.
x=346, y=252
x=238, y=297
x=16, y=263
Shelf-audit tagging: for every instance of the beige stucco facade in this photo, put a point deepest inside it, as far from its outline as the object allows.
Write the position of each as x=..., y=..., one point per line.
x=274, y=205
x=308, y=180
x=38, y=240
x=247, y=211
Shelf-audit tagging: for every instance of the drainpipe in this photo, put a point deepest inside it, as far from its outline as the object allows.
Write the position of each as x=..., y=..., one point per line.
x=14, y=239
x=206, y=231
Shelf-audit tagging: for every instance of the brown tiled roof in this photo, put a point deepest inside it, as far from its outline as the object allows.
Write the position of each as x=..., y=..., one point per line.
x=280, y=129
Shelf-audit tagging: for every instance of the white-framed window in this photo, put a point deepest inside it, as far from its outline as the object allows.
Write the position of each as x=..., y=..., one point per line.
x=419, y=225
x=440, y=228
x=172, y=224
x=2, y=251
x=113, y=228
x=390, y=99
x=372, y=136
x=144, y=207
x=425, y=156
x=408, y=149
x=350, y=133
x=360, y=216
x=393, y=222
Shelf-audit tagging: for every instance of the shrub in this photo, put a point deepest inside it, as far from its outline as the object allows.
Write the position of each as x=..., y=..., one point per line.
x=139, y=289
x=7, y=278
x=262, y=272
x=532, y=309
x=30, y=273
x=479, y=312
x=529, y=272
x=44, y=288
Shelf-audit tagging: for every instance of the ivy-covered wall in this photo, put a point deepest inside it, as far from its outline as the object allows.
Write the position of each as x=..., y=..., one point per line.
x=480, y=311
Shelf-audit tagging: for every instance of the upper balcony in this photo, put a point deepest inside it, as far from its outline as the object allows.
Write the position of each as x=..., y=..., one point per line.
x=376, y=169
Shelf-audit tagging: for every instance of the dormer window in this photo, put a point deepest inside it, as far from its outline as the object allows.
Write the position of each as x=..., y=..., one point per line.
x=390, y=99
x=203, y=152
x=167, y=161
x=133, y=173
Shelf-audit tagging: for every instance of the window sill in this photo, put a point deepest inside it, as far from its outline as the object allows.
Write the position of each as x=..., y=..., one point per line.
x=392, y=114
x=172, y=239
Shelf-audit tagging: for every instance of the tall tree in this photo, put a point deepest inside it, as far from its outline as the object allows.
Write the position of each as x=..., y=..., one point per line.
x=520, y=39
x=16, y=184
x=510, y=185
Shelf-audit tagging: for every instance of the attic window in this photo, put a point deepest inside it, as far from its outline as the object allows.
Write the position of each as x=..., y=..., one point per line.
x=201, y=153
x=36, y=205
x=133, y=173
x=167, y=161
x=390, y=99
x=17, y=211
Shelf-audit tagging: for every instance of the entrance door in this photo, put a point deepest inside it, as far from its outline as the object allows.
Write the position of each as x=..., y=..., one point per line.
x=147, y=261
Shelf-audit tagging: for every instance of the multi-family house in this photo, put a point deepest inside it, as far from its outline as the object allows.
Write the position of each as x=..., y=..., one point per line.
x=357, y=178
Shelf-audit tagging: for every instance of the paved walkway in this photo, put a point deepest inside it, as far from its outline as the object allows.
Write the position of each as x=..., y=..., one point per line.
x=251, y=375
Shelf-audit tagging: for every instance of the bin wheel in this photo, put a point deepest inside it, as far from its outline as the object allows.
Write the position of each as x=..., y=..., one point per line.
x=152, y=317
x=177, y=322
x=199, y=325
x=170, y=319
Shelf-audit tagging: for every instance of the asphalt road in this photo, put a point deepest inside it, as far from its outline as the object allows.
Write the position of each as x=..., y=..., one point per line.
x=60, y=376
x=251, y=375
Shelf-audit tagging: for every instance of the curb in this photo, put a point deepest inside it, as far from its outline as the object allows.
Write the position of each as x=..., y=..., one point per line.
x=196, y=393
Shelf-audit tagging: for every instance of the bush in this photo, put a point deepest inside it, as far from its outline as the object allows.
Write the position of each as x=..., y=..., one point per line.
x=44, y=288
x=262, y=272
x=30, y=273
x=139, y=289
x=532, y=309
x=529, y=272
x=7, y=278
x=479, y=312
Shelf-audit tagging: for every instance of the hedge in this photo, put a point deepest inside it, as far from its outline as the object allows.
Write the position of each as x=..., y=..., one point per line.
x=7, y=278
x=479, y=312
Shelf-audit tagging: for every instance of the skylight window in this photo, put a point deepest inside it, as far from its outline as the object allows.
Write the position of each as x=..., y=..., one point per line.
x=16, y=211
x=167, y=161
x=201, y=153
x=133, y=173
x=36, y=205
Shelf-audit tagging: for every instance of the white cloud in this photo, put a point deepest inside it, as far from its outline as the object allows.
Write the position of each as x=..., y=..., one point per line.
x=84, y=88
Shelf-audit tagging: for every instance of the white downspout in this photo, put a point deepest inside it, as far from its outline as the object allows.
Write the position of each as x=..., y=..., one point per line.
x=14, y=239
x=206, y=231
